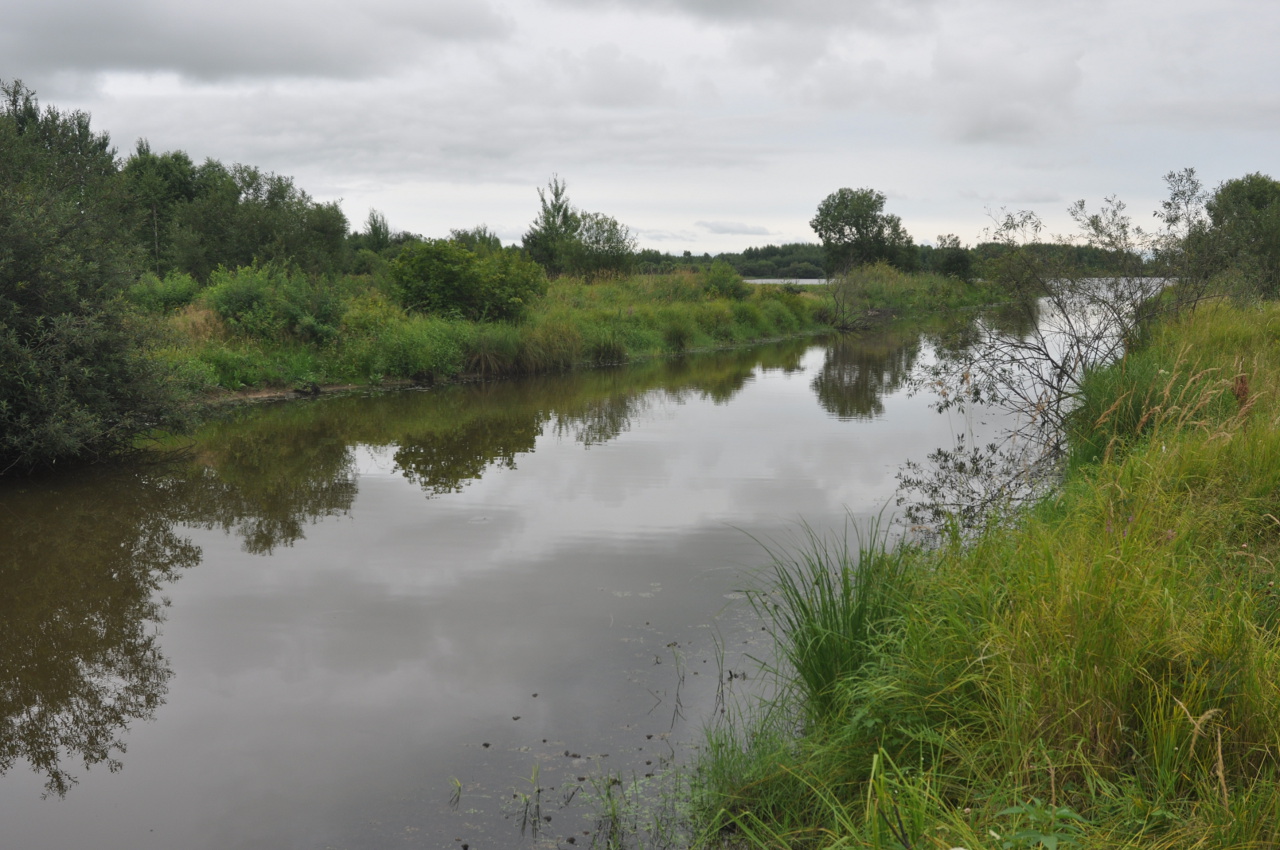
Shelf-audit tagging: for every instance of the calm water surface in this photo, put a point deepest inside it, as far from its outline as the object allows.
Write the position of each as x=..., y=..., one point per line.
x=303, y=632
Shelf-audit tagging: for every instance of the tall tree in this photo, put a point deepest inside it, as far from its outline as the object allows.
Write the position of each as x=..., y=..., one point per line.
x=603, y=246
x=76, y=382
x=855, y=230
x=159, y=183
x=550, y=239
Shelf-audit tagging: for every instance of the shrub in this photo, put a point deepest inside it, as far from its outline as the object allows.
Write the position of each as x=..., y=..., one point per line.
x=442, y=277
x=271, y=300
x=723, y=281
x=164, y=295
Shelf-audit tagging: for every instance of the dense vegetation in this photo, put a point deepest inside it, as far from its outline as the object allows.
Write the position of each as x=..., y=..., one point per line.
x=75, y=377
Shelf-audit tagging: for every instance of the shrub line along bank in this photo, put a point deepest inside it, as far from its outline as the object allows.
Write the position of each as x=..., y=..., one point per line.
x=269, y=327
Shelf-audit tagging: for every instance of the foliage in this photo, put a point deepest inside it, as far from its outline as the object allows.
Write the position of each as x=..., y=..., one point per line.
x=478, y=240
x=163, y=295
x=76, y=381
x=855, y=231
x=603, y=247
x=566, y=240
x=952, y=259
x=274, y=300
x=549, y=240
x=159, y=183
x=209, y=216
x=722, y=281
x=1244, y=215
x=443, y=277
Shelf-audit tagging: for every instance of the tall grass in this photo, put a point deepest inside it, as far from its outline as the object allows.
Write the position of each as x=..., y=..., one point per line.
x=272, y=326
x=1105, y=672
x=826, y=604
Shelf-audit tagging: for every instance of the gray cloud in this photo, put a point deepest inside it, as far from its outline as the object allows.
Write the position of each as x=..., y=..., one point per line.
x=445, y=113
x=999, y=92
x=734, y=228
x=876, y=13
x=237, y=39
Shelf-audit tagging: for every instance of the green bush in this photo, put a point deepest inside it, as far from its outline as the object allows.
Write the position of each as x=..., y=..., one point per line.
x=723, y=281
x=268, y=301
x=164, y=295
x=444, y=278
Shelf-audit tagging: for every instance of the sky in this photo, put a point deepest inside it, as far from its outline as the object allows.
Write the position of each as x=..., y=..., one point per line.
x=702, y=125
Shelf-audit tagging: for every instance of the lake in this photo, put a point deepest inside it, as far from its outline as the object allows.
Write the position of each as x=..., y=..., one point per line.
x=381, y=619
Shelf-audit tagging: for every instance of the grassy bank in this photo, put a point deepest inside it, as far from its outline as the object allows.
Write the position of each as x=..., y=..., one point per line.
x=270, y=327
x=1104, y=673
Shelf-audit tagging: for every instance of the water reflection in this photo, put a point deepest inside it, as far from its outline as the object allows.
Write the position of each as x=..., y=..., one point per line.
x=85, y=560
x=860, y=370
x=79, y=657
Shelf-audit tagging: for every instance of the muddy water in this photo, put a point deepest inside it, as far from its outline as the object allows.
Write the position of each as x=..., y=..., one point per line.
x=365, y=621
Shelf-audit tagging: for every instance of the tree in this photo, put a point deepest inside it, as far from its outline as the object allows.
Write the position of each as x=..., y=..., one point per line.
x=1244, y=214
x=952, y=259
x=159, y=183
x=480, y=239
x=602, y=246
x=856, y=231
x=549, y=240
x=76, y=380
x=240, y=215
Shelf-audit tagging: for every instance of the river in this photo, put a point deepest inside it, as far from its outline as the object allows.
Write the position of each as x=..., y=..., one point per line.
x=382, y=619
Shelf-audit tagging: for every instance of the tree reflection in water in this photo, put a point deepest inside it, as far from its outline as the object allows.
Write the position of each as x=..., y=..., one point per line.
x=861, y=369
x=79, y=657
x=83, y=558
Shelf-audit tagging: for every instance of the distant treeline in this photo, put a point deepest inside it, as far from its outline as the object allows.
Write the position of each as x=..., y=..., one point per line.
x=194, y=218
x=809, y=261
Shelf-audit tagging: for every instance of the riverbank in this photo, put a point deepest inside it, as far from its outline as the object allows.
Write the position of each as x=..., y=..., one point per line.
x=270, y=331
x=1104, y=672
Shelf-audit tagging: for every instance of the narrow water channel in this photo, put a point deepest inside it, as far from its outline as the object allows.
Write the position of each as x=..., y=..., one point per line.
x=366, y=621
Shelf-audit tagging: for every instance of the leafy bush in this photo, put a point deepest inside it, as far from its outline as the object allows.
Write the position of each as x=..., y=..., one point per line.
x=267, y=301
x=164, y=295
x=444, y=278
x=722, y=281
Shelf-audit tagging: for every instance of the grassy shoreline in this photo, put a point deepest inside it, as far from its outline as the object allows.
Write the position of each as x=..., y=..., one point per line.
x=1103, y=673
x=265, y=330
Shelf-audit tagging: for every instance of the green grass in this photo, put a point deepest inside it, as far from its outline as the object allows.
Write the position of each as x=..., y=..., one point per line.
x=1105, y=672
x=273, y=326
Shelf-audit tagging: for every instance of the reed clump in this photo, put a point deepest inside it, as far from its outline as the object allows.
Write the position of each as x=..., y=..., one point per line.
x=1102, y=672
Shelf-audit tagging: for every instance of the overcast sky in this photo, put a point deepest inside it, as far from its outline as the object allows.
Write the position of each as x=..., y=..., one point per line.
x=704, y=125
